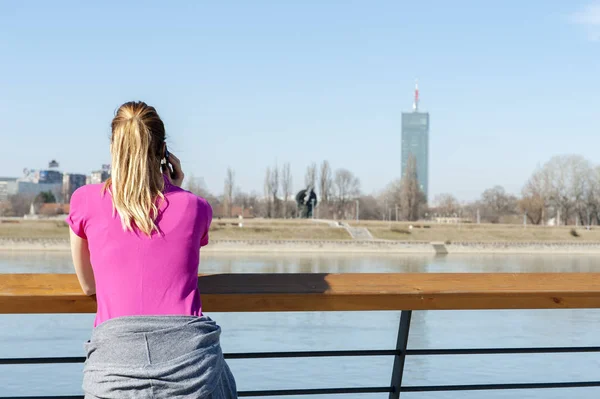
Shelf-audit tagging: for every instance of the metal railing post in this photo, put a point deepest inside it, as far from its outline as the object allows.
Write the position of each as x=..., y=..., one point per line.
x=400, y=357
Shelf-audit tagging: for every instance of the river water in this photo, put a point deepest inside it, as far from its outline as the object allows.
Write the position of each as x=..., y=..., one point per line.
x=63, y=335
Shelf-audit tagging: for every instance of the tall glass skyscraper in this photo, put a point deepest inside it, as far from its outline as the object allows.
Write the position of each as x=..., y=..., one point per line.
x=415, y=141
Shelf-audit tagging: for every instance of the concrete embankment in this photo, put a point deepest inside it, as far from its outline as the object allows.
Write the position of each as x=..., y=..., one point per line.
x=349, y=246
x=43, y=244
x=574, y=248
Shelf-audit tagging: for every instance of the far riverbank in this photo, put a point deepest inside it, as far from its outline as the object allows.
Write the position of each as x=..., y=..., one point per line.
x=343, y=246
x=292, y=235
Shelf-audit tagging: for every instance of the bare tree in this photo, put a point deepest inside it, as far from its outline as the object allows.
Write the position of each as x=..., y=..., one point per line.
x=392, y=196
x=325, y=182
x=408, y=192
x=446, y=204
x=498, y=203
x=534, y=197
x=228, y=191
x=533, y=206
x=566, y=184
x=583, y=185
x=5, y=208
x=346, y=188
x=268, y=190
x=593, y=197
x=20, y=204
x=246, y=203
x=369, y=208
x=310, y=178
x=497, y=200
x=286, y=186
x=196, y=185
x=275, y=190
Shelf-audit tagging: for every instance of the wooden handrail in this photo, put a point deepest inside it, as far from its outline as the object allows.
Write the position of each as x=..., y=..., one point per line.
x=60, y=293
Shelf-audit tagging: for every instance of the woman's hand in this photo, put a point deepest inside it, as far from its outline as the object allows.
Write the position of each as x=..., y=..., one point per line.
x=175, y=174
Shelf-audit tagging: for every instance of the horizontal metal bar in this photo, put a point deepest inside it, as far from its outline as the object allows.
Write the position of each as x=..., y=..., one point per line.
x=278, y=392
x=486, y=387
x=425, y=388
x=338, y=353
x=251, y=355
x=41, y=360
x=315, y=391
x=341, y=353
x=494, y=351
x=43, y=397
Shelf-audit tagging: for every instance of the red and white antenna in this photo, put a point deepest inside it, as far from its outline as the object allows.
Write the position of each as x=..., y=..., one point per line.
x=416, y=103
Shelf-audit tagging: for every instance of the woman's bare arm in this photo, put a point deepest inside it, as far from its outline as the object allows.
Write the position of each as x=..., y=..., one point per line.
x=83, y=266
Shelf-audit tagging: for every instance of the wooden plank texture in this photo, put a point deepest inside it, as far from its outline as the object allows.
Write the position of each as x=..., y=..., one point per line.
x=60, y=293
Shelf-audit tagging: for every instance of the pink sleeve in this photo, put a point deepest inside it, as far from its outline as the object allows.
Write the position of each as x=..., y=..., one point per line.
x=77, y=213
x=208, y=212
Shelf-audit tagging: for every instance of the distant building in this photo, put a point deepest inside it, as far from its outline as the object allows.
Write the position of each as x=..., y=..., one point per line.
x=8, y=187
x=30, y=189
x=415, y=141
x=42, y=176
x=99, y=176
x=71, y=182
x=37, y=181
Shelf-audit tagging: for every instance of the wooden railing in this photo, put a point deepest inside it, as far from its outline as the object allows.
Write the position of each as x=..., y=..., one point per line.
x=60, y=293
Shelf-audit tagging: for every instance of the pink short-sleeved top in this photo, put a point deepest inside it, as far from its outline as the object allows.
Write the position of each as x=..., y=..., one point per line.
x=136, y=274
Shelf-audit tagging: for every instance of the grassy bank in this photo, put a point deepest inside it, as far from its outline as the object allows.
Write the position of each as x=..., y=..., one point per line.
x=33, y=229
x=478, y=233
x=260, y=229
x=220, y=230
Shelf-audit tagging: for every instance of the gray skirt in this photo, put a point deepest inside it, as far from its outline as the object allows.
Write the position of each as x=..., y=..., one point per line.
x=157, y=357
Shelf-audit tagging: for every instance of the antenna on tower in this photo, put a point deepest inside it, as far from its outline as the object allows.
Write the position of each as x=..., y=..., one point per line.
x=416, y=102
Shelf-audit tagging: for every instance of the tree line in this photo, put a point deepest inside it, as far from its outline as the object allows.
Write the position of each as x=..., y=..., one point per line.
x=564, y=190
x=337, y=191
x=20, y=204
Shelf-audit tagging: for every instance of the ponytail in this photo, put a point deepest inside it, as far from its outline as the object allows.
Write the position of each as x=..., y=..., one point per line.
x=136, y=179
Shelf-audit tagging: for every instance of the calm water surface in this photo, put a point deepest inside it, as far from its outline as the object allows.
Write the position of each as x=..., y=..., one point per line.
x=62, y=335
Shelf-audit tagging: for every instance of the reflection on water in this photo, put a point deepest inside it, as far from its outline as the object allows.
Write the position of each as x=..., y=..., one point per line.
x=62, y=335
x=397, y=263
x=60, y=262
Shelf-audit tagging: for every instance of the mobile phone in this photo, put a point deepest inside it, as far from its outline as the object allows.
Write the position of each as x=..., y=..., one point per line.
x=167, y=165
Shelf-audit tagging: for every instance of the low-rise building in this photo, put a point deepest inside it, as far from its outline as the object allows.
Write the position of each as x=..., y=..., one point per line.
x=99, y=176
x=36, y=181
x=48, y=176
x=71, y=182
x=8, y=187
x=30, y=189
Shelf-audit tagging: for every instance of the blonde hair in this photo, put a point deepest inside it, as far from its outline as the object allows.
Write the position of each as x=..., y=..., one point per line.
x=136, y=181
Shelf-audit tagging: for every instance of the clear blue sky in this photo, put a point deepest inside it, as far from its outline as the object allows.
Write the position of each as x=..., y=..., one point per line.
x=250, y=83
